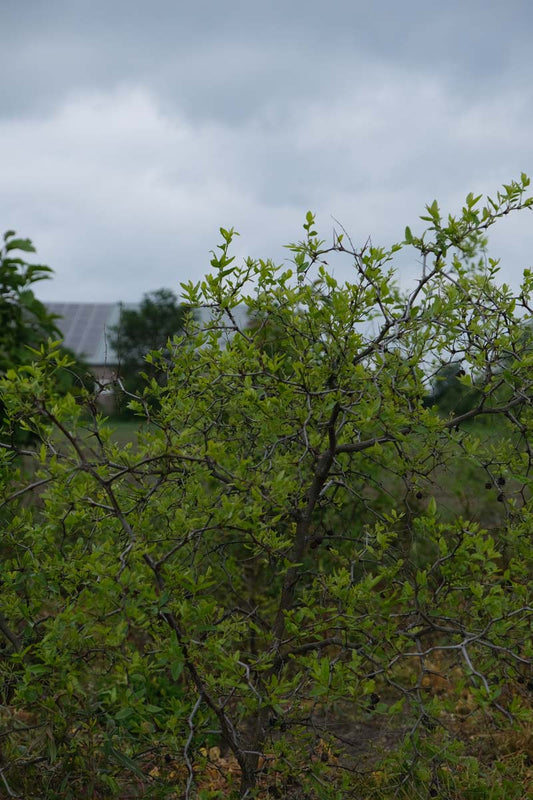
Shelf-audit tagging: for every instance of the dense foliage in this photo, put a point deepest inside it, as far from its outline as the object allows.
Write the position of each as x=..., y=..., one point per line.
x=24, y=320
x=290, y=584
x=25, y=323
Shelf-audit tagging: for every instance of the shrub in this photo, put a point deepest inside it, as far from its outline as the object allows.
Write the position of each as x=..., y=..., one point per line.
x=280, y=558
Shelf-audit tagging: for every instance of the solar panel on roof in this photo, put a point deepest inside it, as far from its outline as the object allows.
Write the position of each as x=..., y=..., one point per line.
x=86, y=329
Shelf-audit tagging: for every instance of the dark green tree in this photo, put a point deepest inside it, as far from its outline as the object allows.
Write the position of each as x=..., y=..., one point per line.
x=152, y=326
x=24, y=320
x=26, y=324
x=449, y=393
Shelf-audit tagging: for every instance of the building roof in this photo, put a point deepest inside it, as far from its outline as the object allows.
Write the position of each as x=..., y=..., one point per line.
x=86, y=327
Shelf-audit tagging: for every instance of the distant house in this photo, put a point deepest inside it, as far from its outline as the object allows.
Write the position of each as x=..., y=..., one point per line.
x=87, y=327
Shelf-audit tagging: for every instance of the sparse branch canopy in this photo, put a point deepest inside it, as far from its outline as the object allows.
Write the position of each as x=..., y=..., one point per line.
x=301, y=544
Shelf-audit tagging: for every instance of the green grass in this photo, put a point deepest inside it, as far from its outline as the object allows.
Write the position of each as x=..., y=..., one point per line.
x=125, y=431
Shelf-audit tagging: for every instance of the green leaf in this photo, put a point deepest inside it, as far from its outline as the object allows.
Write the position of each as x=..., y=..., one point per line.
x=176, y=668
x=124, y=713
x=20, y=244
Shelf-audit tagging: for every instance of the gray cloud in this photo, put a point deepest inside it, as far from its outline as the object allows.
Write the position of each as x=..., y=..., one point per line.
x=211, y=58
x=129, y=135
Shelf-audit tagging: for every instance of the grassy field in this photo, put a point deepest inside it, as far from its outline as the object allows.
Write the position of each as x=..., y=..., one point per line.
x=125, y=430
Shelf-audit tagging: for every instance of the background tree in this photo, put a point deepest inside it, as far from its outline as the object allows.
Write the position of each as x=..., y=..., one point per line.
x=449, y=393
x=158, y=319
x=25, y=323
x=24, y=320
x=199, y=613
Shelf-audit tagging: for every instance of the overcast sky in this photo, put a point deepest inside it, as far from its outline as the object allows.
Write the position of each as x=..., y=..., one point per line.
x=131, y=131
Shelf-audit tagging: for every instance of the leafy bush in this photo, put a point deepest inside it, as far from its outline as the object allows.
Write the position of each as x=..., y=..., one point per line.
x=24, y=320
x=282, y=557
x=25, y=323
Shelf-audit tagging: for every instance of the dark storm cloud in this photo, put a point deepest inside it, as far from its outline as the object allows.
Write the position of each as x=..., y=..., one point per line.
x=130, y=131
